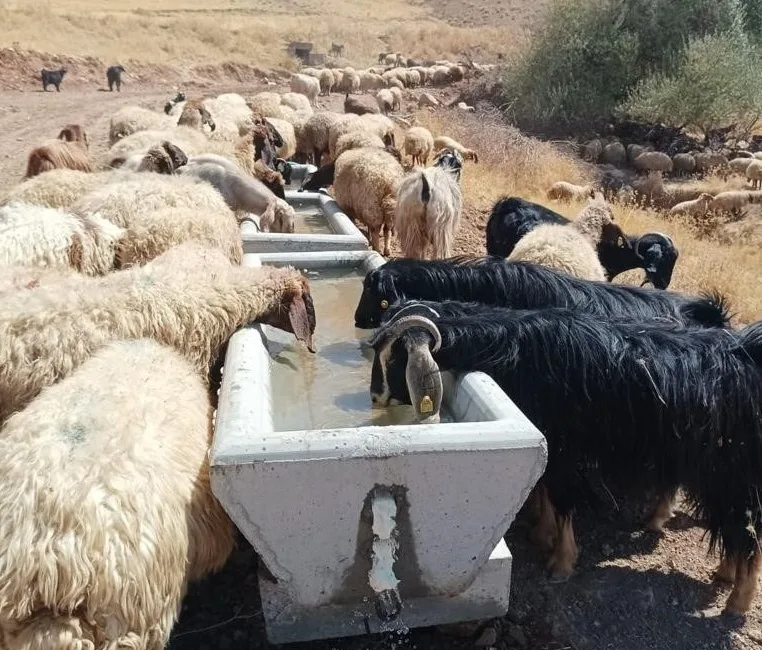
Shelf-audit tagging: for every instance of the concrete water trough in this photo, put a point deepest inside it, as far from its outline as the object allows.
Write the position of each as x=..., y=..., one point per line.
x=364, y=520
x=320, y=224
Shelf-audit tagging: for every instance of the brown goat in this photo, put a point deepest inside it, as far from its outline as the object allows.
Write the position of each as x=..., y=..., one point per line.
x=57, y=154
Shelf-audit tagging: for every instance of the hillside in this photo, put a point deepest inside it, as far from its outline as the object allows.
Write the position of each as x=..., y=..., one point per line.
x=244, y=31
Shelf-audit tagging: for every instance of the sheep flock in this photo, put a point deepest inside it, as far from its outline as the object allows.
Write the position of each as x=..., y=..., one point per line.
x=122, y=280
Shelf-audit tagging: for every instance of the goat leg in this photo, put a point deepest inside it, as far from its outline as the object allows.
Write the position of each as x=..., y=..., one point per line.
x=747, y=573
x=565, y=553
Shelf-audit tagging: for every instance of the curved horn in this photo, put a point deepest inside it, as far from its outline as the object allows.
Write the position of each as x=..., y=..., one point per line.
x=409, y=306
x=424, y=383
x=395, y=329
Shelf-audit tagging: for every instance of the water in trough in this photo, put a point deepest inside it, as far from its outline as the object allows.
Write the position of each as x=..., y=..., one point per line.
x=331, y=388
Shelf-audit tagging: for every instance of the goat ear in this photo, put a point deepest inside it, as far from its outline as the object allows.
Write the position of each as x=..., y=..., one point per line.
x=277, y=140
x=301, y=315
x=424, y=383
x=76, y=252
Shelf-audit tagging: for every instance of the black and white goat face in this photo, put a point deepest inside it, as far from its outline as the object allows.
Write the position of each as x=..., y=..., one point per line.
x=404, y=370
x=451, y=160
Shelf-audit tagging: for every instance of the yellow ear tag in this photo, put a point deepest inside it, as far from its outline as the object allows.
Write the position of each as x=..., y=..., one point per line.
x=426, y=406
x=384, y=304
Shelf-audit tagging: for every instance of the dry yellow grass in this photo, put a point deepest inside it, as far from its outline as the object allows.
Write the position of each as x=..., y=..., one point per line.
x=515, y=165
x=193, y=31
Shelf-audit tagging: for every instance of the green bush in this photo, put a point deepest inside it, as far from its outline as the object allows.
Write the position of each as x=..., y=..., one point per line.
x=717, y=84
x=589, y=55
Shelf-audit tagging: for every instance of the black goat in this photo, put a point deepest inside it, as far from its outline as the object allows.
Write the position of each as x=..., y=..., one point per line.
x=52, y=78
x=649, y=404
x=322, y=177
x=522, y=285
x=285, y=169
x=114, y=78
x=512, y=218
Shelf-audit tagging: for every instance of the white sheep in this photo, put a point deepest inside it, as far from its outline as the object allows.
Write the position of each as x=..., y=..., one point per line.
x=396, y=98
x=122, y=203
x=327, y=81
x=97, y=551
x=192, y=304
x=739, y=165
x=190, y=141
x=37, y=236
x=305, y=85
x=697, y=207
x=58, y=188
x=245, y=194
x=365, y=186
x=385, y=100
x=427, y=216
x=297, y=101
x=21, y=277
x=149, y=234
x=571, y=248
x=287, y=133
x=418, y=144
x=733, y=201
x=565, y=192
x=133, y=119
x=445, y=142
x=266, y=104
x=754, y=173
x=356, y=140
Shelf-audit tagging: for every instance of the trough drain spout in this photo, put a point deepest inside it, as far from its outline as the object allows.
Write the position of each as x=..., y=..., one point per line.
x=381, y=576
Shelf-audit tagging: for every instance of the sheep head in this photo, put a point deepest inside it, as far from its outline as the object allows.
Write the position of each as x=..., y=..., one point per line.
x=176, y=155
x=404, y=369
x=295, y=311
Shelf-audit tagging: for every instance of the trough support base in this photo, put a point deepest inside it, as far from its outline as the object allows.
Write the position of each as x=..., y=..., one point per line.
x=486, y=598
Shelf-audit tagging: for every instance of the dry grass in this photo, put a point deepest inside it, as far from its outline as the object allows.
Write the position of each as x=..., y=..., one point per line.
x=192, y=31
x=513, y=164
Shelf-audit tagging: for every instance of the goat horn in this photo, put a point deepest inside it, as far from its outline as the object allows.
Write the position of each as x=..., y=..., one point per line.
x=396, y=328
x=409, y=306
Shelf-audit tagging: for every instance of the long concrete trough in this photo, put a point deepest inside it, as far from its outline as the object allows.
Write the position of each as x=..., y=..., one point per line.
x=320, y=225
x=365, y=520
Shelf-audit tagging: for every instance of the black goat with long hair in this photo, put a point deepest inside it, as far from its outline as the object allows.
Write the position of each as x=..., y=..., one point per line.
x=522, y=285
x=651, y=404
x=512, y=218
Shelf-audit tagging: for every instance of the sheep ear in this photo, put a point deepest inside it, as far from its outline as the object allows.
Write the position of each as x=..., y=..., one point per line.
x=424, y=383
x=301, y=315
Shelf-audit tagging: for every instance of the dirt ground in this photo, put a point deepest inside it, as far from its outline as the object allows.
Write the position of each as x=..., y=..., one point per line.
x=631, y=591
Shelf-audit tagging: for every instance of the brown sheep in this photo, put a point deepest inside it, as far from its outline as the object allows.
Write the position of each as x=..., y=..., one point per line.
x=196, y=116
x=57, y=154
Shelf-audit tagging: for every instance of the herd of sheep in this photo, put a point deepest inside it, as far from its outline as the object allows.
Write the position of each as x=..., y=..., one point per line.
x=635, y=173
x=121, y=280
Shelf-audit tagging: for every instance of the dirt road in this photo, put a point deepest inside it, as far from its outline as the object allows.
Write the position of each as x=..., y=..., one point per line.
x=632, y=590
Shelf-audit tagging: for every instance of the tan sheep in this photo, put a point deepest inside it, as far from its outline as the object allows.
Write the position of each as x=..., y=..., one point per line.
x=565, y=192
x=683, y=164
x=305, y=85
x=190, y=141
x=697, y=207
x=58, y=188
x=266, y=104
x=444, y=142
x=419, y=144
x=357, y=140
x=133, y=119
x=571, y=248
x=196, y=116
x=39, y=236
x=734, y=201
x=653, y=161
x=739, y=165
x=327, y=81
x=365, y=186
x=754, y=173
x=297, y=101
x=120, y=516
x=385, y=100
x=315, y=135
x=194, y=311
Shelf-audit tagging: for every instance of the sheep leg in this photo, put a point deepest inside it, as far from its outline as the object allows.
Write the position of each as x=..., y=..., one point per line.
x=545, y=531
x=375, y=239
x=565, y=553
x=387, y=240
x=663, y=512
x=747, y=573
x=726, y=572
